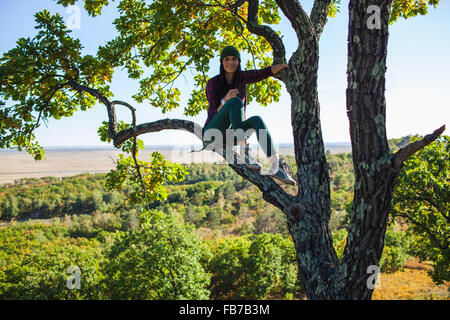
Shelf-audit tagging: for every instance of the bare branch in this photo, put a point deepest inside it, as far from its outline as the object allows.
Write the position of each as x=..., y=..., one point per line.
x=248, y=44
x=112, y=129
x=404, y=153
x=132, y=109
x=178, y=74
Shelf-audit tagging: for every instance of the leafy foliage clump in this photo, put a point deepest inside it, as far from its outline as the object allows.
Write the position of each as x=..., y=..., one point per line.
x=146, y=179
x=159, y=260
x=35, y=258
x=410, y=8
x=421, y=198
x=253, y=267
x=396, y=250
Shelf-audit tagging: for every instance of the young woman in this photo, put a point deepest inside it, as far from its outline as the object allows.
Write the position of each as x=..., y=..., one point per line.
x=227, y=98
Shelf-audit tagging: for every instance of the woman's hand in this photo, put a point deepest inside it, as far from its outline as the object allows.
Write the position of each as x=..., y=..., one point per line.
x=278, y=67
x=233, y=93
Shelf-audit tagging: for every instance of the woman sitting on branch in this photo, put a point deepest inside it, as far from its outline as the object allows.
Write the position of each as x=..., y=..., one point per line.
x=227, y=98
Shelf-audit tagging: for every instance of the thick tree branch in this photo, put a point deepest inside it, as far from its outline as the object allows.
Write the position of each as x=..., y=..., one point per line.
x=159, y=125
x=404, y=153
x=279, y=52
x=319, y=15
x=272, y=192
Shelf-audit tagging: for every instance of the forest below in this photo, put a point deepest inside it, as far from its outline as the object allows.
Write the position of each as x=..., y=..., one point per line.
x=213, y=237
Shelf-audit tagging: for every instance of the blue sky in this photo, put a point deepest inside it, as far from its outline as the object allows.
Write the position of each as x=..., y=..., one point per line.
x=417, y=79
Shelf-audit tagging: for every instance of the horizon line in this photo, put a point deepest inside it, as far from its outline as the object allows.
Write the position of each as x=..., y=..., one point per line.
x=165, y=146
x=168, y=145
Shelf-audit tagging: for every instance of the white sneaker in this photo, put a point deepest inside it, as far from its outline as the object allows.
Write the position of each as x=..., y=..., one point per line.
x=247, y=157
x=281, y=171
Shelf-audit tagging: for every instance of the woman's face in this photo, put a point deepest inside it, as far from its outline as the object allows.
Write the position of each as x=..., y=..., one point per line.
x=230, y=63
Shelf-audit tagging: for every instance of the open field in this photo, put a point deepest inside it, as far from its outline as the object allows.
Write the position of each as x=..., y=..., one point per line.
x=413, y=283
x=67, y=161
x=60, y=163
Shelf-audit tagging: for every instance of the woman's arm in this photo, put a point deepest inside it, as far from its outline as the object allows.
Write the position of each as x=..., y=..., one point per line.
x=278, y=67
x=252, y=76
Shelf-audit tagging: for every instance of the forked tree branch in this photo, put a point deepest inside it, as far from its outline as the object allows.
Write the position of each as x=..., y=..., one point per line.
x=132, y=109
x=404, y=153
x=298, y=18
x=112, y=128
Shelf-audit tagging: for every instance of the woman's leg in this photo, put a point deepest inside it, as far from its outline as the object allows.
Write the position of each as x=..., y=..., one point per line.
x=236, y=115
x=279, y=169
x=232, y=113
x=217, y=126
x=262, y=134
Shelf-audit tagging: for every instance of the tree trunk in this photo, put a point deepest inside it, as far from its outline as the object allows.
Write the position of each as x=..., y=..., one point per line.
x=321, y=273
x=308, y=218
x=372, y=160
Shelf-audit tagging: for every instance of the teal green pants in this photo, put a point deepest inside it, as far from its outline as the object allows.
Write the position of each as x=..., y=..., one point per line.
x=232, y=113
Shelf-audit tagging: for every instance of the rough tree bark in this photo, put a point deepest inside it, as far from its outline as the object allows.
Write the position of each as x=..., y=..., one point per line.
x=372, y=160
x=375, y=167
x=308, y=218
